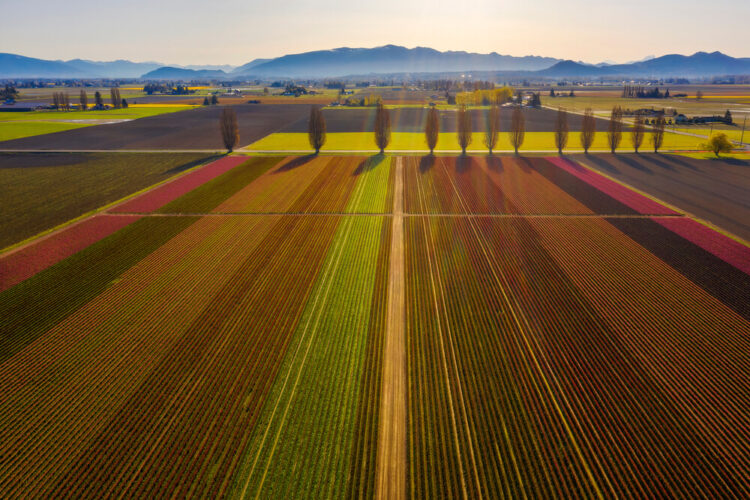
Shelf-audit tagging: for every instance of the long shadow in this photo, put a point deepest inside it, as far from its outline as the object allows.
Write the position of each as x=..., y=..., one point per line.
x=680, y=161
x=464, y=163
x=426, y=163
x=495, y=164
x=368, y=164
x=602, y=163
x=295, y=163
x=732, y=161
x=659, y=161
x=634, y=162
x=194, y=163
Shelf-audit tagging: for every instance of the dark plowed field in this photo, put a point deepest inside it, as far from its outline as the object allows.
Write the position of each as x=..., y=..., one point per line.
x=193, y=129
x=413, y=120
x=714, y=190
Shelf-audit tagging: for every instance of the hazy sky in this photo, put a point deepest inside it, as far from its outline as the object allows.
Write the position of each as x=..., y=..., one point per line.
x=235, y=32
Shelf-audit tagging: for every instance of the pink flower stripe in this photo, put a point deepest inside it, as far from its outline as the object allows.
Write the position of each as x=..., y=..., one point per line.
x=157, y=198
x=723, y=247
x=617, y=191
x=24, y=263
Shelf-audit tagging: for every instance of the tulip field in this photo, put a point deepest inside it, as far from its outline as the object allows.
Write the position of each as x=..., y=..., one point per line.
x=222, y=335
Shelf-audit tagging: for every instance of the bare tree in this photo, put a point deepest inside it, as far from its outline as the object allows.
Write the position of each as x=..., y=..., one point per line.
x=699, y=95
x=382, y=127
x=517, y=128
x=99, y=102
x=432, y=128
x=493, y=127
x=66, y=101
x=84, y=100
x=230, y=131
x=56, y=100
x=561, y=130
x=588, y=130
x=114, y=94
x=463, y=118
x=614, y=130
x=316, y=129
x=657, y=133
x=637, y=132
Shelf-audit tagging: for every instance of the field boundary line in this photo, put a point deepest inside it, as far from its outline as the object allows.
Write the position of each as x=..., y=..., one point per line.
x=684, y=213
x=11, y=249
x=391, y=447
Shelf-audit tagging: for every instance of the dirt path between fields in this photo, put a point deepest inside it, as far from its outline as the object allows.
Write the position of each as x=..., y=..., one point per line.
x=391, y=461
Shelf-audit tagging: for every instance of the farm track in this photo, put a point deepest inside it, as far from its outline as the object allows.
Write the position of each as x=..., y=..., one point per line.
x=391, y=472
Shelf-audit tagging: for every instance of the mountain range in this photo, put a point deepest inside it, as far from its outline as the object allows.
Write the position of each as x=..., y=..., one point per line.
x=17, y=66
x=385, y=60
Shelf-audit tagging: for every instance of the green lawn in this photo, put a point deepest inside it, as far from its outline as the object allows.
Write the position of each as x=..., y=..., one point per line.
x=602, y=105
x=16, y=124
x=17, y=129
x=43, y=190
x=364, y=141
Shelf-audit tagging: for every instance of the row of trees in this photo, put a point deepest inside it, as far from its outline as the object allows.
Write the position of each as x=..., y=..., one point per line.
x=640, y=92
x=615, y=128
x=61, y=100
x=516, y=133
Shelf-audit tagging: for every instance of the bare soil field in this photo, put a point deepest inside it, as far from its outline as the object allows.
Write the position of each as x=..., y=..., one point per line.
x=413, y=120
x=714, y=190
x=192, y=129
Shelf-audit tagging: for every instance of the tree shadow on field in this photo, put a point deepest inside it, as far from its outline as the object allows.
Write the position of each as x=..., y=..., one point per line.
x=194, y=163
x=525, y=164
x=658, y=160
x=464, y=163
x=679, y=161
x=369, y=163
x=494, y=164
x=602, y=163
x=731, y=161
x=295, y=163
x=636, y=162
x=426, y=163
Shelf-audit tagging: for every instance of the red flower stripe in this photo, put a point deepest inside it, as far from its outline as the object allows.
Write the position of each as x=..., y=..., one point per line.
x=723, y=247
x=157, y=198
x=17, y=266
x=617, y=191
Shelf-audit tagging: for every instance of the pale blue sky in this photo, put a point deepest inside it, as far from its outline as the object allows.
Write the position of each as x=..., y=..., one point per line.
x=234, y=31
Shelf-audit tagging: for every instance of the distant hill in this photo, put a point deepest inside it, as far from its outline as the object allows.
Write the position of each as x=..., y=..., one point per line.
x=700, y=64
x=15, y=66
x=244, y=69
x=574, y=69
x=388, y=59
x=112, y=69
x=172, y=73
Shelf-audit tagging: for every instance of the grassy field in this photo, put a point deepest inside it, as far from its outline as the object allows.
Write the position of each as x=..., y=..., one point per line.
x=602, y=105
x=42, y=190
x=406, y=141
x=14, y=125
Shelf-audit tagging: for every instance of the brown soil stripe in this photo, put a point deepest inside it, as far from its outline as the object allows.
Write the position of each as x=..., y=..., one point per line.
x=717, y=277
